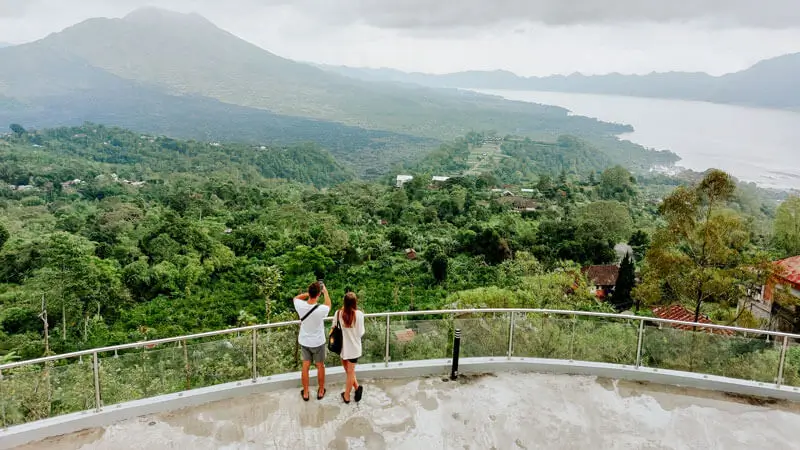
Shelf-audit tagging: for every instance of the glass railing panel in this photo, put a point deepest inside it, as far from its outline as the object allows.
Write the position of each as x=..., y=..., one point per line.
x=144, y=372
x=791, y=368
x=223, y=360
x=723, y=353
x=51, y=389
x=483, y=335
x=373, y=343
x=420, y=339
x=278, y=351
x=543, y=336
x=604, y=340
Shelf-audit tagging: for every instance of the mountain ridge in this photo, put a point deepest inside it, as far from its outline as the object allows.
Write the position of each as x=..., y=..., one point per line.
x=768, y=83
x=154, y=65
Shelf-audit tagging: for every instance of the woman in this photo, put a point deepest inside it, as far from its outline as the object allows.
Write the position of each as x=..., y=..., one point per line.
x=351, y=321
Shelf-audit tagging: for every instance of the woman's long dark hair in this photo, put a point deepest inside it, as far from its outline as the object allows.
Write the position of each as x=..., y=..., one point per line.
x=349, y=310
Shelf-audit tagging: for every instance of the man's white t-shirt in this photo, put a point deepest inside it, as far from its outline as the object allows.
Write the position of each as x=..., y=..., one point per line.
x=312, y=330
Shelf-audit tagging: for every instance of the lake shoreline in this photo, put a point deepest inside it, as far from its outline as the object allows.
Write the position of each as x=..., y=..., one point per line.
x=753, y=144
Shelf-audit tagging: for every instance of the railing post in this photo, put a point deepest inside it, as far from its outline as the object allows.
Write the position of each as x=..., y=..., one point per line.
x=783, y=360
x=3, y=412
x=639, y=344
x=511, y=335
x=187, y=369
x=386, y=355
x=255, y=354
x=96, y=367
x=456, y=351
x=572, y=337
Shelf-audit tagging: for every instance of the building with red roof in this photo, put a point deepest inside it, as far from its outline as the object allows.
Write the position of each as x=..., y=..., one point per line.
x=678, y=312
x=763, y=303
x=602, y=279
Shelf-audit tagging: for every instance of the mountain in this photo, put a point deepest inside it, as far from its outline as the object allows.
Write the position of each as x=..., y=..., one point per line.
x=770, y=83
x=66, y=90
x=188, y=55
x=160, y=71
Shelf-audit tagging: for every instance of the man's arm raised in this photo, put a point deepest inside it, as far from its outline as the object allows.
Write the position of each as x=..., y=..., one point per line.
x=327, y=297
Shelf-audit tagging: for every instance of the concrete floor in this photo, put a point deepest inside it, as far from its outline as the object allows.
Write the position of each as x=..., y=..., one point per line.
x=503, y=411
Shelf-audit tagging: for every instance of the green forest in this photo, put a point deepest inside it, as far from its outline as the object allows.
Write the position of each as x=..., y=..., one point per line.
x=123, y=237
x=109, y=236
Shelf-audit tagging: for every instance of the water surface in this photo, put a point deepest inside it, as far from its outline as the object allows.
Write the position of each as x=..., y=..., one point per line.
x=753, y=144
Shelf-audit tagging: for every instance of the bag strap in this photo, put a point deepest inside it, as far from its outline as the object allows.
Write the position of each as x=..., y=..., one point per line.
x=309, y=313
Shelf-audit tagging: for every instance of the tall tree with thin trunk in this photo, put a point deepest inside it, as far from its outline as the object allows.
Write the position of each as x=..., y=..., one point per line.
x=703, y=253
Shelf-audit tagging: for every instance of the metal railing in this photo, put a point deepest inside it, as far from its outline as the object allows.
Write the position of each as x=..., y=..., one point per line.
x=150, y=368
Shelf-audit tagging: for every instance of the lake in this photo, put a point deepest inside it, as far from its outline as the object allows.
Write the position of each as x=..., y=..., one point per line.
x=753, y=144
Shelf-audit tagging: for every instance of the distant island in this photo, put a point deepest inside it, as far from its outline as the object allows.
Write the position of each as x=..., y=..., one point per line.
x=771, y=83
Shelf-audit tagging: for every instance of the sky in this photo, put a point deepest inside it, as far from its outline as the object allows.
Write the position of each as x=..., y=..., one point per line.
x=528, y=37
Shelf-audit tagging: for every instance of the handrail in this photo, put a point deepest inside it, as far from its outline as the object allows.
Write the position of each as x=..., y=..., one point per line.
x=512, y=314
x=394, y=314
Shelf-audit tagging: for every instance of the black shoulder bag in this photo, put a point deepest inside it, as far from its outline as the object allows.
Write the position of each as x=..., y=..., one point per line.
x=335, y=337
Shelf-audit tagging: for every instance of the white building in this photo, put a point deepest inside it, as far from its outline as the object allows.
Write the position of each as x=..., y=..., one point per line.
x=440, y=179
x=403, y=179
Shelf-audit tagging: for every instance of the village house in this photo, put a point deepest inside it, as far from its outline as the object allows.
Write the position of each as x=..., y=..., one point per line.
x=403, y=179
x=602, y=279
x=520, y=204
x=764, y=303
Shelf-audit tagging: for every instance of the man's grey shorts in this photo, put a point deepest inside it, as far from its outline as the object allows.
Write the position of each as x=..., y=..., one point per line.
x=314, y=354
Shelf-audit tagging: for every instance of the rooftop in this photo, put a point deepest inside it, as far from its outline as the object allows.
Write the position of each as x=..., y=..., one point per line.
x=791, y=266
x=678, y=312
x=504, y=411
x=602, y=275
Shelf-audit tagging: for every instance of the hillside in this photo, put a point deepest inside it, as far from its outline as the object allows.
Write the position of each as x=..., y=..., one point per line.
x=68, y=91
x=769, y=83
x=53, y=156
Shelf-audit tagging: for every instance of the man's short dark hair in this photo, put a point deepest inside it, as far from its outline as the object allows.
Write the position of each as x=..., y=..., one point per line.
x=314, y=290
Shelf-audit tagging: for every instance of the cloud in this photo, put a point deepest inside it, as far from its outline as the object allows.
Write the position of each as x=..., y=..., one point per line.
x=13, y=8
x=459, y=13
x=443, y=14
x=530, y=37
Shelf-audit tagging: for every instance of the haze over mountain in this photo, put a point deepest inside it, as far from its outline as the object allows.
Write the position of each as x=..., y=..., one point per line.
x=160, y=71
x=770, y=83
x=186, y=54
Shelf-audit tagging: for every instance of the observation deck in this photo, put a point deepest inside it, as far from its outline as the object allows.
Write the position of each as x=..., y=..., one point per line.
x=528, y=379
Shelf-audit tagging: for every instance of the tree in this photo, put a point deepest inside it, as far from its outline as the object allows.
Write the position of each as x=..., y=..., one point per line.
x=17, y=129
x=4, y=235
x=439, y=267
x=617, y=183
x=399, y=237
x=639, y=242
x=545, y=185
x=489, y=243
x=787, y=227
x=703, y=253
x=621, y=298
x=268, y=280
x=610, y=217
x=438, y=261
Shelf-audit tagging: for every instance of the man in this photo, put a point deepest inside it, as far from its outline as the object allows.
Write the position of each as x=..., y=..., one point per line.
x=312, y=334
